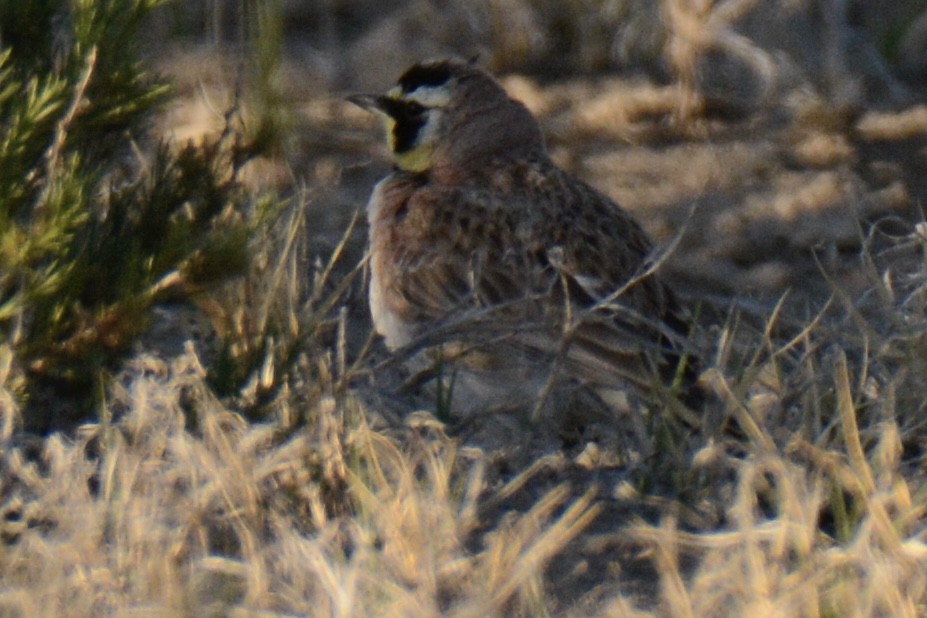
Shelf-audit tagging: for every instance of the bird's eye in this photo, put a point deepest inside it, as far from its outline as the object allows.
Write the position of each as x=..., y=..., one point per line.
x=402, y=109
x=410, y=118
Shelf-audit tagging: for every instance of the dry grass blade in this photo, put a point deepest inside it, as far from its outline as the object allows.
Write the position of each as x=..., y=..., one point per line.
x=322, y=279
x=53, y=155
x=547, y=462
x=518, y=552
x=847, y=412
x=882, y=499
x=9, y=411
x=672, y=587
x=742, y=415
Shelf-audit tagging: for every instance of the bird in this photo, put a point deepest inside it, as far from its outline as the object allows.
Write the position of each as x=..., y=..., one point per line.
x=486, y=256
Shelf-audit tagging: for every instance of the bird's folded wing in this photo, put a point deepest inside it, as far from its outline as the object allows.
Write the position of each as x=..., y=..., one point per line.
x=464, y=261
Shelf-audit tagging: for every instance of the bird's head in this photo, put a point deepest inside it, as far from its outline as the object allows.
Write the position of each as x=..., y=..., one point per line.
x=451, y=114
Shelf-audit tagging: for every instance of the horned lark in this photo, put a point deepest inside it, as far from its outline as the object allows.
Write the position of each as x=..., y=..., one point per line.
x=496, y=261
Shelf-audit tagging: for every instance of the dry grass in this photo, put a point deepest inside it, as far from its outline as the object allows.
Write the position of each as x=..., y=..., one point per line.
x=145, y=515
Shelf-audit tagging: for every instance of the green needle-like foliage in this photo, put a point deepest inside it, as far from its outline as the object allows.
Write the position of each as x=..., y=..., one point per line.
x=92, y=231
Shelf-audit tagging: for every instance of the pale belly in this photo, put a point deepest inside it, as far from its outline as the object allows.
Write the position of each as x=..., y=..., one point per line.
x=386, y=322
x=395, y=331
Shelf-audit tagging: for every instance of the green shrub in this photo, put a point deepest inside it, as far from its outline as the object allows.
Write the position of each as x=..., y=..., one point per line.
x=94, y=228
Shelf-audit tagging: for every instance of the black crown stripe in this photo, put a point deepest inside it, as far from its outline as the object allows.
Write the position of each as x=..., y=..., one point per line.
x=420, y=75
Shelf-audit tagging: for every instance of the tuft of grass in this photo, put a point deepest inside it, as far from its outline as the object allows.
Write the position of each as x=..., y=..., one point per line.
x=824, y=510
x=143, y=513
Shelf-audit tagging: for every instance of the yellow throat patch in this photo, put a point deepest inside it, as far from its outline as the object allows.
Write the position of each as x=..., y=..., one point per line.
x=417, y=159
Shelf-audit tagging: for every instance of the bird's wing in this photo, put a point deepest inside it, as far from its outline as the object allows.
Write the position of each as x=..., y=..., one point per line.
x=624, y=308
x=453, y=253
x=497, y=266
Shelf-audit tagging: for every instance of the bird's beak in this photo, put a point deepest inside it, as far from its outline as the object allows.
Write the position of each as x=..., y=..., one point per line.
x=369, y=102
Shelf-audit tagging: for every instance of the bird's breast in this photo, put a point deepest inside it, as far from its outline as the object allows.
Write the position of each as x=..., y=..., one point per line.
x=384, y=212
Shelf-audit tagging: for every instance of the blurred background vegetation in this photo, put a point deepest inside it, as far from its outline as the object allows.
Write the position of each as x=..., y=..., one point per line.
x=337, y=40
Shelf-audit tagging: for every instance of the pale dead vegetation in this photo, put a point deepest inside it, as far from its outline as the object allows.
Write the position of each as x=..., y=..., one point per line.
x=147, y=514
x=890, y=126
